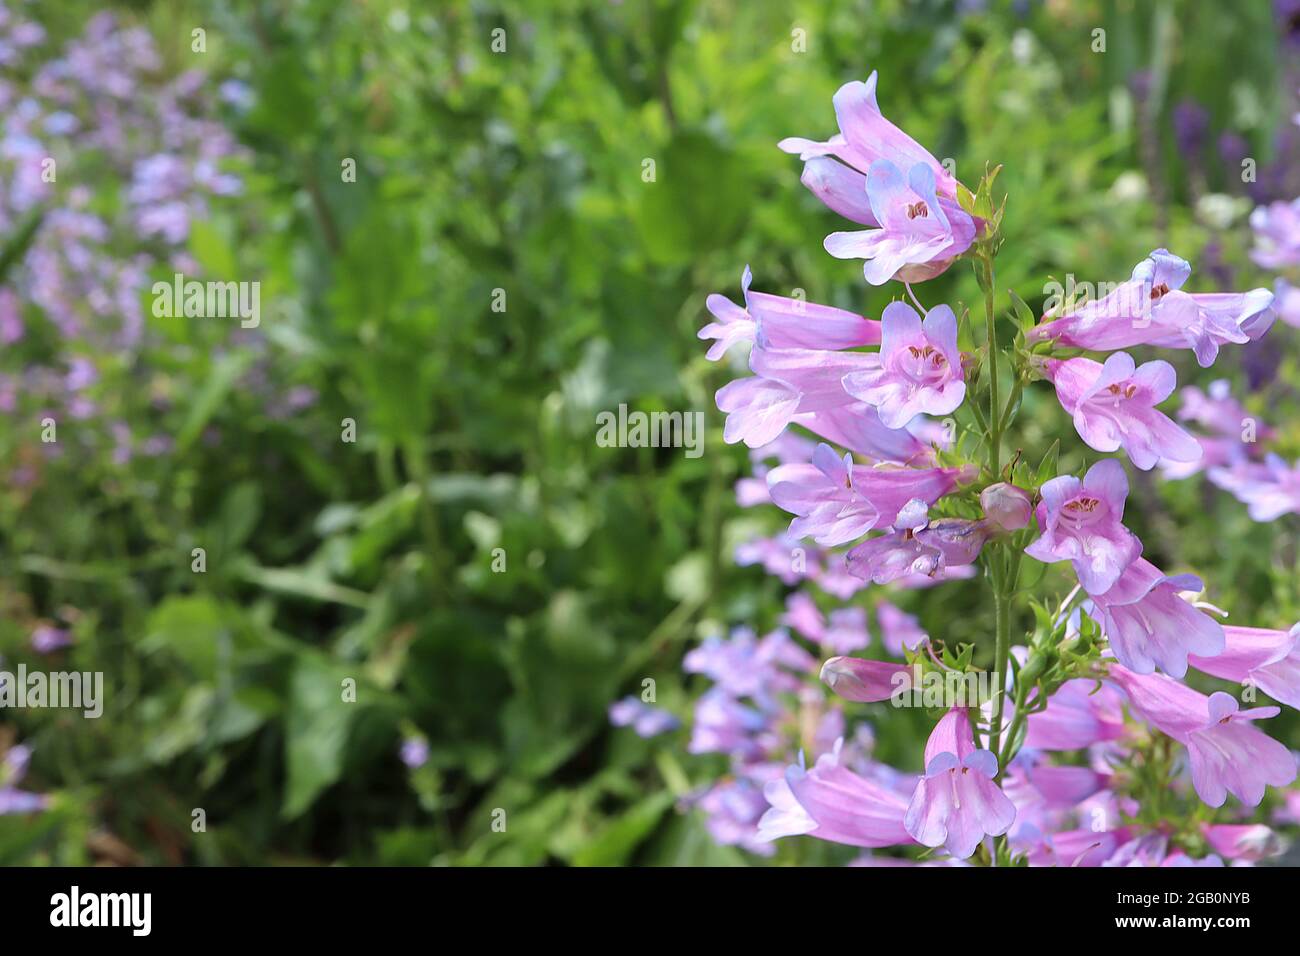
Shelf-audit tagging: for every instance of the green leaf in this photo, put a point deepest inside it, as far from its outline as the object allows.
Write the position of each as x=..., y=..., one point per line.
x=211, y=250
x=1024, y=315
x=613, y=845
x=316, y=732
x=221, y=379
x=21, y=239
x=1047, y=467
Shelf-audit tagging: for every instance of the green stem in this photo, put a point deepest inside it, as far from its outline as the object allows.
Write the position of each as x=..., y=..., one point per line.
x=995, y=412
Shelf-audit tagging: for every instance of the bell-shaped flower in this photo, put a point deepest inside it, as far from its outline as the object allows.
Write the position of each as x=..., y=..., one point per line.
x=1151, y=309
x=833, y=803
x=1244, y=841
x=1227, y=753
x=1149, y=624
x=920, y=232
x=919, y=369
x=1114, y=406
x=786, y=382
x=957, y=803
x=915, y=545
x=1259, y=657
x=780, y=322
x=1082, y=522
x=836, y=501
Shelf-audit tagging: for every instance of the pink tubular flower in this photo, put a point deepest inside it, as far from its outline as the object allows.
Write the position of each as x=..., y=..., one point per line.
x=786, y=382
x=1114, y=406
x=866, y=681
x=858, y=428
x=882, y=177
x=864, y=137
x=1263, y=658
x=920, y=232
x=836, y=501
x=1249, y=841
x=1228, y=754
x=833, y=803
x=1150, y=309
x=919, y=369
x=957, y=802
x=1149, y=624
x=1081, y=522
x=778, y=322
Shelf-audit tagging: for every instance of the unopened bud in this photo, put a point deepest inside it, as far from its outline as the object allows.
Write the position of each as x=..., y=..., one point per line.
x=1007, y=506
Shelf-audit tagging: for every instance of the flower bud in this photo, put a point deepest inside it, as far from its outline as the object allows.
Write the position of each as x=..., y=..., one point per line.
x=1007, y=506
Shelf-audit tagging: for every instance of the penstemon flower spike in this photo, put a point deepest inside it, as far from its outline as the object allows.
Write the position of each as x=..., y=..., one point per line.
x=846, y=406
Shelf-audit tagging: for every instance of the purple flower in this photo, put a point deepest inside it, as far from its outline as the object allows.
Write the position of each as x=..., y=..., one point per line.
x=836, y=501
x=1286, y=300
x=920, y=233
x=1081, y=522
x=1151, y=309
x=1113, y=406
x=1149, y=625
x=865, y=136
x=1228, y=754
x=13, y=768
x=846, y=629
x=898, y=629
x=833, y=803
x=857, y=427
x=1078, y=715
x=777, y=322
x=47, y=640
x=647, y=721
x=1224, y=417
x=866, y=681
x=1006, y=506
x=919, y=369
x=1277, y=234
x=732, y=810
x=957, y=802
x=745, y=666
x=415, y=752
x=1243, y=841
x=918, y=546
x=1258, y=657
x=723, y=724
x=1270, y=489
x=884, y=178
x=786, y=382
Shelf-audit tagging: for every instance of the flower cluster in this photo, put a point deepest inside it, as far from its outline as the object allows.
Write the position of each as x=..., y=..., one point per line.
x=101, y=106
x=1102, y=672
